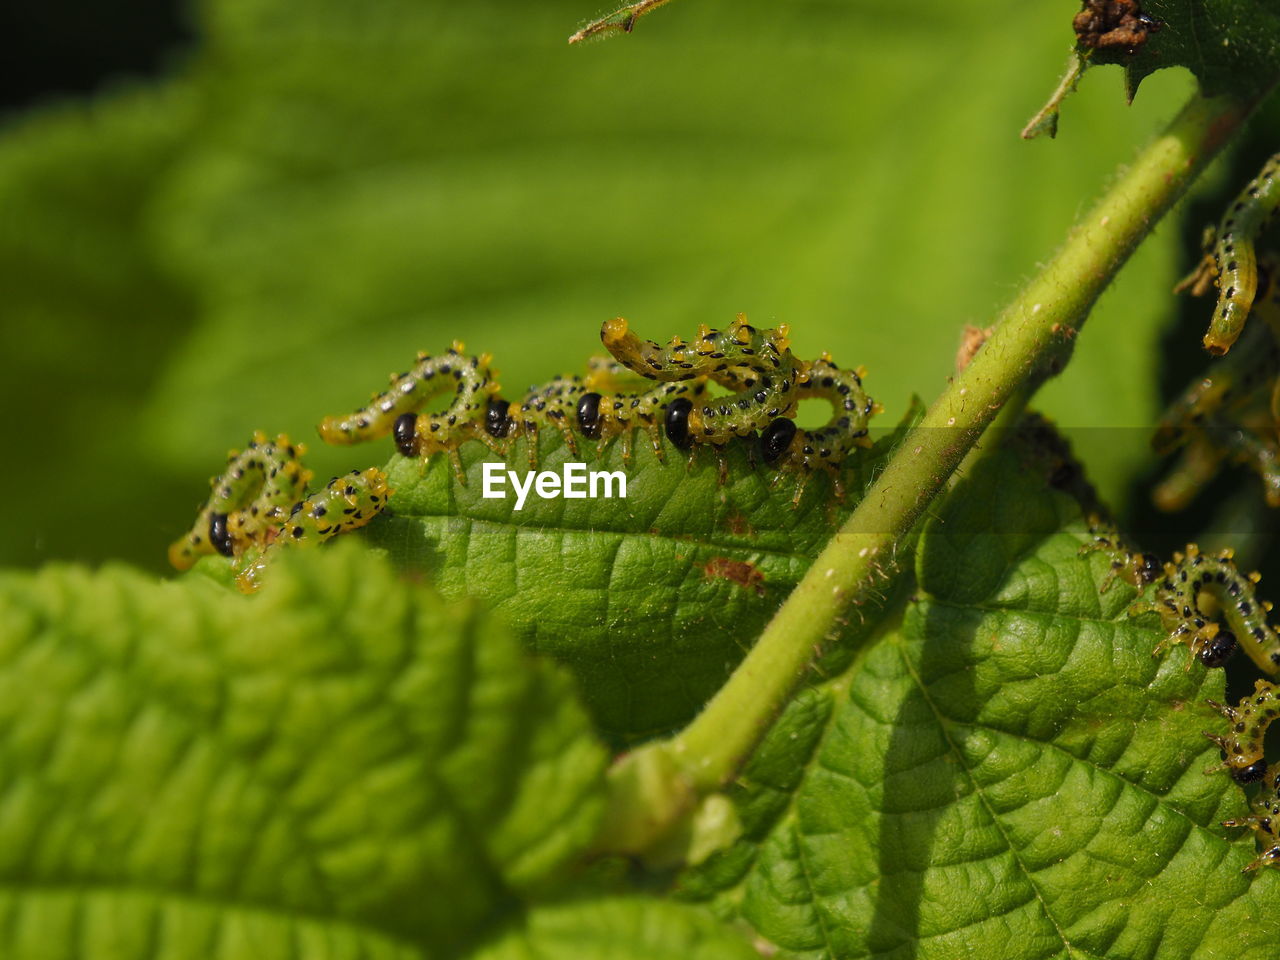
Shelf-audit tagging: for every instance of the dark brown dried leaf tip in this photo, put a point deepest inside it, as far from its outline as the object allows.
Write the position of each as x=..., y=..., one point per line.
x=1104, y=24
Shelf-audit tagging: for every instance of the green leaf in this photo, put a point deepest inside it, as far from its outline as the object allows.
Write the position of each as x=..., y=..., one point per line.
x=620, y=929
x=1232, y=46
x=650, y=600
x=1008, y=773
x=340, y=766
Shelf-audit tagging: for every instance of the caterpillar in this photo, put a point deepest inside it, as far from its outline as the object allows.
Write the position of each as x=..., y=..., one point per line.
x=258, y=504
x=826, y=448
x=475, y=412
x=1249, y=721
x=1264, y=819
x=250, y=498
x=1179, y=594
x=345, y=503
x=1230, y=413
x=1233, y=263
x=1192, y=591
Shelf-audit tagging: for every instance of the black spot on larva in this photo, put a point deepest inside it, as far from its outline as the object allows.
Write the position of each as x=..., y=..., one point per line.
x=677, y=423
x=496, y=421
x=1252, y=773
x=1219, y=650
x=589, y=415
x=405, y=433
x=219, y=536
x=776, y=438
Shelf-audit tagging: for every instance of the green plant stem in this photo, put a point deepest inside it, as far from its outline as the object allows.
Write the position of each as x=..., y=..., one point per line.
x=1031, y=340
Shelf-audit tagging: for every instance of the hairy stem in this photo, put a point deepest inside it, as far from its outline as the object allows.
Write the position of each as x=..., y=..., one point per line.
x=623, y=20
x=1031, y=340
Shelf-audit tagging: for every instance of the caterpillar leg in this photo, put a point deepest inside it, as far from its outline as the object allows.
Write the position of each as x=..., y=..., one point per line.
x=655, y=439
x=1205, y=273
x=801, y=482
x=1251, y=213
x=556, y=404
x=455, y=461
x=624, y=441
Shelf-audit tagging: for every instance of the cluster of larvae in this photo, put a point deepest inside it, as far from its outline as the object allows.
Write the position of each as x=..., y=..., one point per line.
x=1191, y=594
x=260, y=506
x=646, y=386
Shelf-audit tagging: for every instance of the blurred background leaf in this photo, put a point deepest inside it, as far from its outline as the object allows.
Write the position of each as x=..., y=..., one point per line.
x=346, y=767
x=320, y=191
